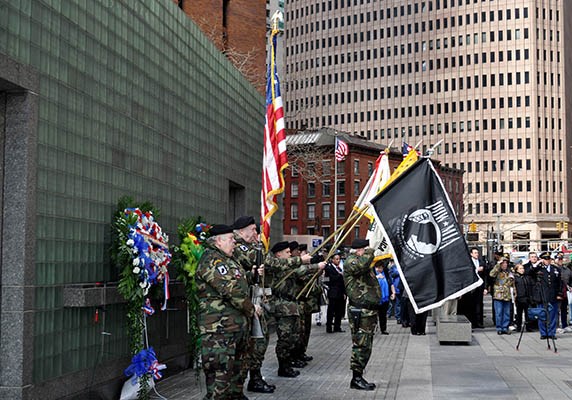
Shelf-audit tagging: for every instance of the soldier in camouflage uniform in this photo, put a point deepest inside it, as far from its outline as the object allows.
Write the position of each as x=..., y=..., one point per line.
x=278, y=265
x=364, y=294
x=246, y=251
x=225, y=312
x=306, y=306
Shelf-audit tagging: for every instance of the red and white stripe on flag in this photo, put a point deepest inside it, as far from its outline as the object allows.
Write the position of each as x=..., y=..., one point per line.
x=342, y=150
x=274, y=157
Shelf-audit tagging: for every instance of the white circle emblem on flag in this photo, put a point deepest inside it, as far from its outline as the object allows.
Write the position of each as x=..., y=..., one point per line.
x=421, y=232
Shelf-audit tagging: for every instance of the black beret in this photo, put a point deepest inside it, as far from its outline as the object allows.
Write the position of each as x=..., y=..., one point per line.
x=220, y=229
x=303, y=247
x=545, y=255
x=360, y=243
x=279, y=247
x=243, y=222
x=294, y=245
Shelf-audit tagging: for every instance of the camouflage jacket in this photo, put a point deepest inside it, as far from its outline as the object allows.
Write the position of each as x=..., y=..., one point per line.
x=224, y=304
x=362, y=286
x=276, y=269
x=245, y=254
x=503, y=282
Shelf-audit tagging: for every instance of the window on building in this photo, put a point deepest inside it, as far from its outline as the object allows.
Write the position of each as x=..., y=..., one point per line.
x=341, y=210
x=311, y=211
x=341, y=188
x=326, y=211
x=294, y=189
x=311, y=189
x=294, y=211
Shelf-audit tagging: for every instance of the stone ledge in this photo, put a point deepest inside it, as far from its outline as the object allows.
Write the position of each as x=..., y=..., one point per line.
x=91, y=295
x=454, y=328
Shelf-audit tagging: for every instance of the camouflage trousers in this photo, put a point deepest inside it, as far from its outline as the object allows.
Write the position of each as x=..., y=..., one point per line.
x=223, y=356
x=305, y=325
x=362, y=339
x=257, y=347
x=288, y=333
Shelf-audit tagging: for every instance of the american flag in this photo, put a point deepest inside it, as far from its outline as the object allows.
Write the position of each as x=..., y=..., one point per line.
x=274, y=159
x=342, y=150
x=407, y=148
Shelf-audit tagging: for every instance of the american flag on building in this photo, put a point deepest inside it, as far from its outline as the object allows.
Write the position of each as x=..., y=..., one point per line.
x=342, y=150
x=275, y=158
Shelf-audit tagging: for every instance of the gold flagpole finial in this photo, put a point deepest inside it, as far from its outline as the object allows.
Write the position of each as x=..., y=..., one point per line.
x=277, y=20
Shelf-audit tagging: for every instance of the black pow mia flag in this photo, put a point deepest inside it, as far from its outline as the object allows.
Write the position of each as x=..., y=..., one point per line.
x=430, y=252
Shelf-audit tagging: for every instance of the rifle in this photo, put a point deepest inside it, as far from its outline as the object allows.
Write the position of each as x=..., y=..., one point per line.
x=257, y=294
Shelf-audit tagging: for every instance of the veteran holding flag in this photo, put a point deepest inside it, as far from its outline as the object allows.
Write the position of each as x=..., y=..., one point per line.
x=363, y=293
x=225, y=312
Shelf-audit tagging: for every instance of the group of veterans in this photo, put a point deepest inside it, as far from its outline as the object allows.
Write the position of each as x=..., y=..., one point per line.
x=240, y=288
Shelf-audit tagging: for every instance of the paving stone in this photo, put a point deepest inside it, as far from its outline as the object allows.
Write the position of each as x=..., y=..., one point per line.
x=414, y=367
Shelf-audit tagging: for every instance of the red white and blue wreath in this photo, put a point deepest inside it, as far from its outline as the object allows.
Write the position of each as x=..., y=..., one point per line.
x=151, y=256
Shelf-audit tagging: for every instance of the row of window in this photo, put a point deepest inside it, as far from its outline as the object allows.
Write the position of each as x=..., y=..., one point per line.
x=326, y=168
x=311, y=211
x=495, y=208
x=502, y=187
x=506, y=144
x=413, y=47
x=421, y=88
x=416, y=8
x=387, y=31
x=326, y=191
x=513, y=165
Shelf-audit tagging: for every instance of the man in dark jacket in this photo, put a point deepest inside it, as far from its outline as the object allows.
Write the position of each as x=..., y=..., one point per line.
x=336, y=294
x=547, y=293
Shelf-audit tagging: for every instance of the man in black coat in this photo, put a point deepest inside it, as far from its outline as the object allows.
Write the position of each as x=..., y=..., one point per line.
x=336, y=294
x=471, y=304
x=548, y=292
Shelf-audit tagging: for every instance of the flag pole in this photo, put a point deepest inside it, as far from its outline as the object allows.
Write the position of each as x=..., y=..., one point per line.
x=431, y=150
x=332, y=250
x=335, y=186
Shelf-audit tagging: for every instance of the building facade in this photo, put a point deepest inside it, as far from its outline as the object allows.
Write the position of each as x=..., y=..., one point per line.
x=310, y=202
x=238, y=29
x=98, y=100
x=492, y=79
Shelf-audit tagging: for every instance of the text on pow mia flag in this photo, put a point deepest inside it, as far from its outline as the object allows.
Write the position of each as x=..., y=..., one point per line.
x=431, y=255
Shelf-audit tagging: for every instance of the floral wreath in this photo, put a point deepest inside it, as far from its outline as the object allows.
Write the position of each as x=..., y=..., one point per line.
x=151, y=256
x=192, y=235
x=141, y=251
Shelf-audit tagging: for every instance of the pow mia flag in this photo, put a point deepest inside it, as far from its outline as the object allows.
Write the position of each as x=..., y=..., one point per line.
x=431, y=255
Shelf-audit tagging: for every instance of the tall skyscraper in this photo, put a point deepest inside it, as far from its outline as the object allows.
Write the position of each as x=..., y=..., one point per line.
x=487, y=77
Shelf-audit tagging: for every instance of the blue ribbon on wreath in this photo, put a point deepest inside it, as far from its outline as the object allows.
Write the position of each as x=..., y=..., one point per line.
x=144, y=362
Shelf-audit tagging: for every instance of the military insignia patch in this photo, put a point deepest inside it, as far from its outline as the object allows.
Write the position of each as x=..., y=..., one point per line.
x=243, y=247
x=222, y=269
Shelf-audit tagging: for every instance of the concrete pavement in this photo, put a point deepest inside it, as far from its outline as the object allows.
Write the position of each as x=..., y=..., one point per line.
x=415, y=367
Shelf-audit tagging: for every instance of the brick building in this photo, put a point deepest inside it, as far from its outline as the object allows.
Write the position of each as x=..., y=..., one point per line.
x=309, y=196
x=238, y=29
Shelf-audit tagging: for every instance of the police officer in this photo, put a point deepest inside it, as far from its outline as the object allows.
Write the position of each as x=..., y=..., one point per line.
x=363, y=293
x=285, y=271
x=225, y=312
x=547, y=292
x=248, y=252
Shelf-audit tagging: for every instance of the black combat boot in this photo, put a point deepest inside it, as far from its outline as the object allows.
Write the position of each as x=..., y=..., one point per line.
x=257, y=384
x=297, y=363
x=286, y=371
x=359, y=383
